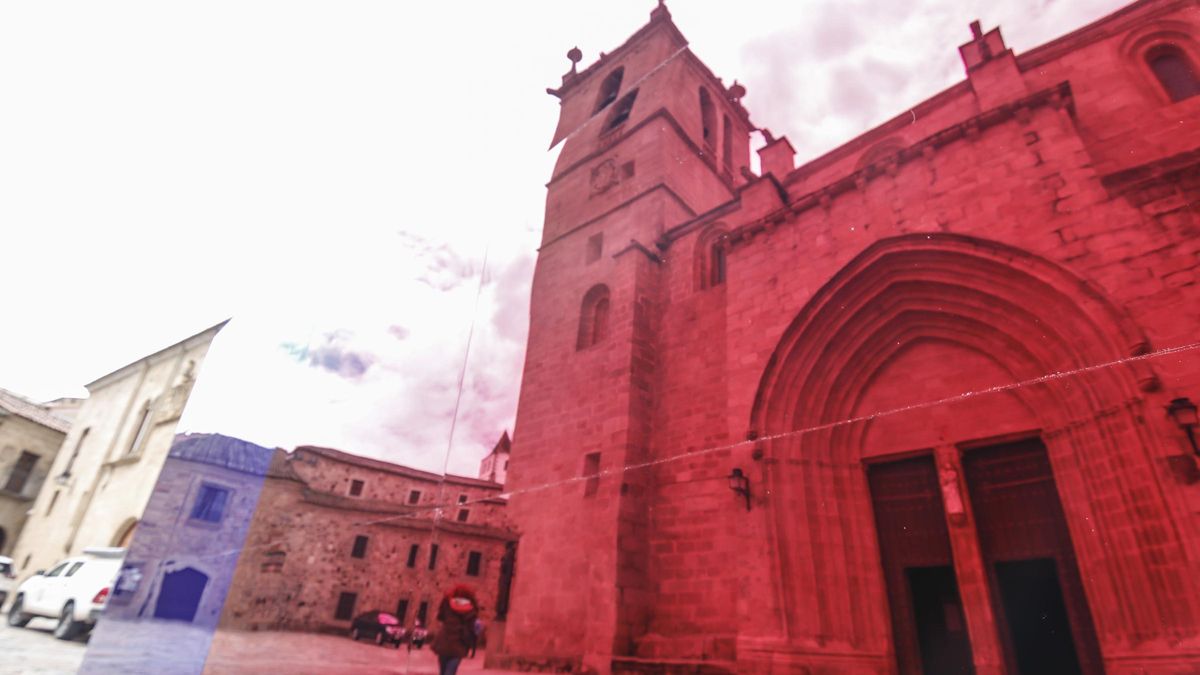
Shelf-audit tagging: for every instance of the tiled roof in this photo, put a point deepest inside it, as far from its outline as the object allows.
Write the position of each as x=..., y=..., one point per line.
x=39, y=414
x=380, y=465
x=218, y=450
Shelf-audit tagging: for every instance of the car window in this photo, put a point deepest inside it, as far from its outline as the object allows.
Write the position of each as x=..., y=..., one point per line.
x=57, y=570
x=74, y=568
x=5, y=567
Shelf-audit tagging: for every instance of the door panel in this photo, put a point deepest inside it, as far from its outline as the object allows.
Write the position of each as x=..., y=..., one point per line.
x=1030, y=560
x=929, y=631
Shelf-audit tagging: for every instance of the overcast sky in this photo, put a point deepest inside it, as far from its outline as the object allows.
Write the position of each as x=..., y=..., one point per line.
x=330, y=175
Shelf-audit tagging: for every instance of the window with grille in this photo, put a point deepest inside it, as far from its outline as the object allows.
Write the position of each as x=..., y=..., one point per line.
x=345, y=606
x=360, y=547
x=210, y=504
x=19, y=476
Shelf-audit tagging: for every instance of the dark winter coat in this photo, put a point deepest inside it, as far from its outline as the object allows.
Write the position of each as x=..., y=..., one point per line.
x=457, y=632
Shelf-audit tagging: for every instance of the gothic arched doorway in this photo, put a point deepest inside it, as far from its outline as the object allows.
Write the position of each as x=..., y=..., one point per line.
x=926, y=346
x=179, y=596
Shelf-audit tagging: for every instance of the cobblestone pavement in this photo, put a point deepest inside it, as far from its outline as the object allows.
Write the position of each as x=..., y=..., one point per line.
x=242, y=653
x=146, y=648
x=33, y=650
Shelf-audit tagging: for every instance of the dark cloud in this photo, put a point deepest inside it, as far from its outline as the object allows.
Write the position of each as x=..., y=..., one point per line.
x=333, y=356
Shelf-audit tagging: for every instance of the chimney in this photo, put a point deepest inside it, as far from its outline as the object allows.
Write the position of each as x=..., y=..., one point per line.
x=777, y=157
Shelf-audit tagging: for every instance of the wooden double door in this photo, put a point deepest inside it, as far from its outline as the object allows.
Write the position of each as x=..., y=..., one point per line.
x=1040, y=610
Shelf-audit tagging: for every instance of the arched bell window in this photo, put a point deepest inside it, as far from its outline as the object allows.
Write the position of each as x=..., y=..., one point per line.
x=593, y=317
x=621, y=111
x=609, y=89
x=1174, y=71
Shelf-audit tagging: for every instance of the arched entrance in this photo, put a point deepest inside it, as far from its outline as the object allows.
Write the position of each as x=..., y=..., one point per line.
x=895, y=530
x=180, y=594
x=124, y=535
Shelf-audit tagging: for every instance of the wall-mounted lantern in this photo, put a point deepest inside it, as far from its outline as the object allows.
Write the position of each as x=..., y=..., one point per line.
x=739, y=483
x=1183, y=412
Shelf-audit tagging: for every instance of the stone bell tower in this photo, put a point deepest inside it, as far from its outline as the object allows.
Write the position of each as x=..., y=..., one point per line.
x=650, y=140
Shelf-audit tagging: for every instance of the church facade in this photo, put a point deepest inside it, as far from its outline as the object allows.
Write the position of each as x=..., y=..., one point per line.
x=922, y=404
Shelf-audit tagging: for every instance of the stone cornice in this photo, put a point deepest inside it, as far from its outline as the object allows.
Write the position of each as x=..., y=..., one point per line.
x=1058, y=96
x=645, y=193
x=1100, y=29
x=621, y=136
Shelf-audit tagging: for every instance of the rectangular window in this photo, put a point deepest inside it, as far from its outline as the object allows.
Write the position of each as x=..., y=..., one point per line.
x=462, y=499
x=412, y=555
x=422, y=611
x=402, y=610
x=591, y=473
x=21, y=472
x=75, y=453
x=595, y=246
x=474, y=560
x=463, y=514
x=356, y=487
x=433, y=550
x=345, y=606
x=143, y=427
x=414, y=496
x=210, y=504
x=360, y=547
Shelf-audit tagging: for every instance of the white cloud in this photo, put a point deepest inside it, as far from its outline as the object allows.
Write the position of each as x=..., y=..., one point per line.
x=320, y=169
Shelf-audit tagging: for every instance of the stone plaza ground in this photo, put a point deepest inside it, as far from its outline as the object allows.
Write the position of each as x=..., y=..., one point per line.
x=33, y=650
x=162, y=648
x=242, y=653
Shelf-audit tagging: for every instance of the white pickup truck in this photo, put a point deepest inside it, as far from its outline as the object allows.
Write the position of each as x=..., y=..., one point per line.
x=74, y=591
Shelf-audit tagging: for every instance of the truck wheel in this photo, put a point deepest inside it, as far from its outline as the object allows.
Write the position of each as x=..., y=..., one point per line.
x=68, y=627
x=17, y=618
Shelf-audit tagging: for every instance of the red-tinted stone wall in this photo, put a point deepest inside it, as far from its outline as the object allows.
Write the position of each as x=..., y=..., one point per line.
x=1038, y=219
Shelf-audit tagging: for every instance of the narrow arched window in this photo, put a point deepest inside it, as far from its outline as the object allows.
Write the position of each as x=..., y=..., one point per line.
x=710, y=255
x=1174, y=72
x=593, y=317
x=599, y=320
x=621, y=111
x=727, y=142
x=716, y=272
x=708, y=119
x=609, y=89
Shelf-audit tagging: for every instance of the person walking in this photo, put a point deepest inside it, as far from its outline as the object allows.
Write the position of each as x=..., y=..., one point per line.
x=457, y=613
x=476, y=636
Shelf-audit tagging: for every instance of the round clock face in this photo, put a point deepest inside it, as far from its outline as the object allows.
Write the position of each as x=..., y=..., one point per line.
x=604, y=175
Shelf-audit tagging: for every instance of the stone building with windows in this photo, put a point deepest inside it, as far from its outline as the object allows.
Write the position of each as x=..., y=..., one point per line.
x=181, y=563
x=337, y=534
x=921, y=404
x=30, y=436
x=102, y=479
